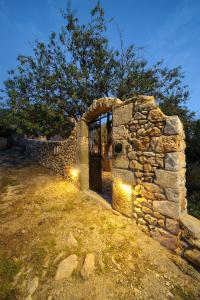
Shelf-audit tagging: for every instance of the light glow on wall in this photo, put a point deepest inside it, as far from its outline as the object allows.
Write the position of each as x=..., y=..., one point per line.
x=126, y=188
x=74, y=173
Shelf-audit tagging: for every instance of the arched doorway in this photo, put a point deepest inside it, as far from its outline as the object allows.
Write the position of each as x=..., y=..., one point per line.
x=95, y=146
x=100, y=156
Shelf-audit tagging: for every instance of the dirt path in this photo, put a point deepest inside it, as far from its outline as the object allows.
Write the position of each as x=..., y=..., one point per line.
x=38, y=210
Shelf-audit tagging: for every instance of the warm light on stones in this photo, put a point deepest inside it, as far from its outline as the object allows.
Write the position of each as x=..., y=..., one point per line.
x=125, y=188
x=74, y=173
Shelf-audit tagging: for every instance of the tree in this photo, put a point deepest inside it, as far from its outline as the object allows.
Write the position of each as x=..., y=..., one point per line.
x=77, y=65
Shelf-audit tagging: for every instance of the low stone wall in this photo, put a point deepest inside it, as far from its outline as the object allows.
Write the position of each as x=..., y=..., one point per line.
x=59, y=156
x=189, y=244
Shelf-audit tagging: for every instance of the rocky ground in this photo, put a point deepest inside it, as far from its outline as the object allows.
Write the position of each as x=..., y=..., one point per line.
x=59, y=243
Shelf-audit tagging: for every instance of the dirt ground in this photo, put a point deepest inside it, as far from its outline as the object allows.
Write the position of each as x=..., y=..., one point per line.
x=38, y=210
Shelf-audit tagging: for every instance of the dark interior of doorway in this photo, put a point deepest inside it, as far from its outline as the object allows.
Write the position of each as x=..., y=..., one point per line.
x=100, y=156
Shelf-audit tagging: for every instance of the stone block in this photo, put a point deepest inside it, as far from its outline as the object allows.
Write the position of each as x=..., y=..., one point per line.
x=172, y=194
x=193, y=256
x=172, y=226
x=145, y=103
x=132, y=155
x=147, y=210
x=152, y=187
x=120, y=133
x=167, y=208
x=191, y=226
x=173, y=126
x=156, y=115
x=83, y=151
x=122, y=198
x=120, y=161
x=142, y=221
x=126, y=176
x=122, y=114
x=151, y=220
x=135, y=165
x=165, y=238
x=139, y=116
x=84, y=177
x=167, y=179
x=141, y=144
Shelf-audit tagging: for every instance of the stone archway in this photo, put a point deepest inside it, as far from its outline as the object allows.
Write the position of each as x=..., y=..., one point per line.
x=98, y=107
x=148, y=164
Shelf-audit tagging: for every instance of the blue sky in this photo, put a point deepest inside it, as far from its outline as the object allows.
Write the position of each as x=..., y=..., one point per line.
x=168, y=29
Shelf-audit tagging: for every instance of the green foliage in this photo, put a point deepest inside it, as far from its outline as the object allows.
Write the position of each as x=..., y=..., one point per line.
x=77, y=65
x=193, y=187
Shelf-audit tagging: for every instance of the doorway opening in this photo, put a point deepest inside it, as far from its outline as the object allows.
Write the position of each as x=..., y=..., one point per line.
x=100, y=156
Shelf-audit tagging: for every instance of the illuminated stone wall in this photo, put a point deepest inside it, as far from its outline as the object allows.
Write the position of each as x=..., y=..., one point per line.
x=59, y=156
x=152, y=162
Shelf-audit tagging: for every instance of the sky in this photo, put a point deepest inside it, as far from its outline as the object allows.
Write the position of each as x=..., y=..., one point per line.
x=167, y=29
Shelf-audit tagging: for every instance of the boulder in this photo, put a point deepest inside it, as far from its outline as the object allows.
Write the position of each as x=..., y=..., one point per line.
x=88, y=266
x=67, y=267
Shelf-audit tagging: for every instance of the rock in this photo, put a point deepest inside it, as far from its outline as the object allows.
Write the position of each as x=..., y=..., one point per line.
x=121, y=161
x=161, y=223
x=151, y=220
x=173, y=125
x=139, y=116
x=151, y=187
x=167, y=179
x=147, y=210
x=67, y=267
x=170, y=296
x=172, y=226
x=33, y=285
x=120, y=133
x=156, y=115
x=167, y=208
x=155, y=131
x=71, y=241
x=172, y=161
x=126, y=176
x=132, y=155
x=172, y=194
x=147, y=168
x=141, y=144
x=164, y=238
x=142, y=221
x=88, y=266
x=193, y=256
x=135, y=165
x=123, y=114
x=191, y=226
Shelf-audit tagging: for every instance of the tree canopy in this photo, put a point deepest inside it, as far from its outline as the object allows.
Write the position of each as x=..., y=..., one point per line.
x=78, y=65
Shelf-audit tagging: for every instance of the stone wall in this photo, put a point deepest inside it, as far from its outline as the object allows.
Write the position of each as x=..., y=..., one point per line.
x=189, y=243
x=59, y=156
x=152, y=163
